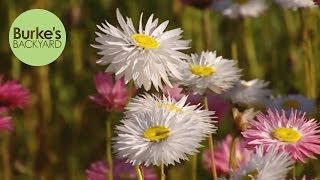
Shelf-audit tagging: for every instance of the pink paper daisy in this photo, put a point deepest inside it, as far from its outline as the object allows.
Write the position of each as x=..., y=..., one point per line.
x=112, y=96
x=13, y=95
x=222, y=155
x=295, y=135
x=121, y=170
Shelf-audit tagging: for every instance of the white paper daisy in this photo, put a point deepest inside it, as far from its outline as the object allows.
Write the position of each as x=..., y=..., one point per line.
x=208, y=71
x=271, y=165
x=292, y=101
x=160, y=134
x=295, y=4
x=145, y=56
x=249, y=93
x=240, y=8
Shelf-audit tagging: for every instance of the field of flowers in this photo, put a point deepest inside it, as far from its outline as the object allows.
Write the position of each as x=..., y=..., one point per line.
x=224, y=89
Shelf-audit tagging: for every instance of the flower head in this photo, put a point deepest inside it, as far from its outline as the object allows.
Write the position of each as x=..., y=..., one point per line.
x=145, y=56
x=13, y=95
x=249, y=93
x=272, y=165
x=292, y=101
x=121, y=170
x=222, y=155
x=240, y=8
x=294, y=134
x=207, y=71
x=295, y=4
x=112, y=96
x=161, y=131
x=5, y=123
x=175, y=92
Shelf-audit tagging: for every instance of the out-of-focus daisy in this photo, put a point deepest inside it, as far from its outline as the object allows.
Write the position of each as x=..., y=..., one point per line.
x=13, y=95
x=272, y=165
x=145, y=56
x=249, y=93
x=242, y=119
x=293, y=101
x=294, y=134
x=175, y=92
x=207, y=71
x=165, y=133
x=222, y=155
x=295, y=4
x=202, y=4
x=121, y=170
x=240, y=8
x=112, y=96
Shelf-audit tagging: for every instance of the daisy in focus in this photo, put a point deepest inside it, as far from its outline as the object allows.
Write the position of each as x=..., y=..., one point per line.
x=295, y=4
x=145, y=56
x=222, y=155
x=239, y=8
x=161, y=132
x=121, y=170
x=112, y=96
x=249, y=93
x=207, y=71
x=272, y=165
x=292, y=101
x=293, y=134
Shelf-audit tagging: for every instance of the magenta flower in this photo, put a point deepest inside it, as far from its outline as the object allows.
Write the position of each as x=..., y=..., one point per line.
x=111, y=96
x=295, y=135
x=222, y=155
x=6, y=123
x=13, y=95
x=121, y=170
x=175, y=92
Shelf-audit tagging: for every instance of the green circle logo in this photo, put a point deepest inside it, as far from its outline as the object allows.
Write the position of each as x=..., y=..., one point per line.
x=37, y=37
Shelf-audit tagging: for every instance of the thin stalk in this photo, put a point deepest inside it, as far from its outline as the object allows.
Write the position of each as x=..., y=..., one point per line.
x=139, y=173
x=163, y=175
x=232, y=156
x=109, y=149
x=207, y=29
x=211, y=146
x=194, y=166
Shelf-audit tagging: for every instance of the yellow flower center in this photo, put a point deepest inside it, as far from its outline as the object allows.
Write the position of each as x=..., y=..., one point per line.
x=156, y=133
x=170, y=107
x=250, y=175
x=240, y=1
x=202, y=70
x=286, y=134
x=145, y=41
x=291, y=103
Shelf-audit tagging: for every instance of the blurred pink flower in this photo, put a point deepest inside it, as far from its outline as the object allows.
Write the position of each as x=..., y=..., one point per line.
x=175, y=92
x=293, y=134
x=121, y=170
x=112, y=96
x=216, y=103
x=317, y=2
x=13, y=95
x=6, y=123
x=222, y=155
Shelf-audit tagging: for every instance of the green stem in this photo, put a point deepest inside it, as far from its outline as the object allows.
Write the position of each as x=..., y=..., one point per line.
x=194, y=167
x=139, y=173
x=163, y=175
x=232, y=156
x=207, y=29
x=109, y=148
x=211, y=147
x=294, y=171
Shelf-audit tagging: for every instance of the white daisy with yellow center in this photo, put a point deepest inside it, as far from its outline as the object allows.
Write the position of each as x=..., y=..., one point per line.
x=207, y=71
x=240, y=8
x=272, y=165
x=249, y=93
x=295, y=4
x=163, y=131
x=146, y=55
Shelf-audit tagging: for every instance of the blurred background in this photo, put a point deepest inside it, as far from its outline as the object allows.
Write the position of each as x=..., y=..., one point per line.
x=61, y=132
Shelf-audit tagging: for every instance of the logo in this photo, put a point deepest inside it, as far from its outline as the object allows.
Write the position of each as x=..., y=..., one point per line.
x=37, y=37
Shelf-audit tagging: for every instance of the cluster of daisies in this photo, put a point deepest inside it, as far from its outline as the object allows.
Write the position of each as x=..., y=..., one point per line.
x=12, y=96
x=248, y=8
x=168, y=123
